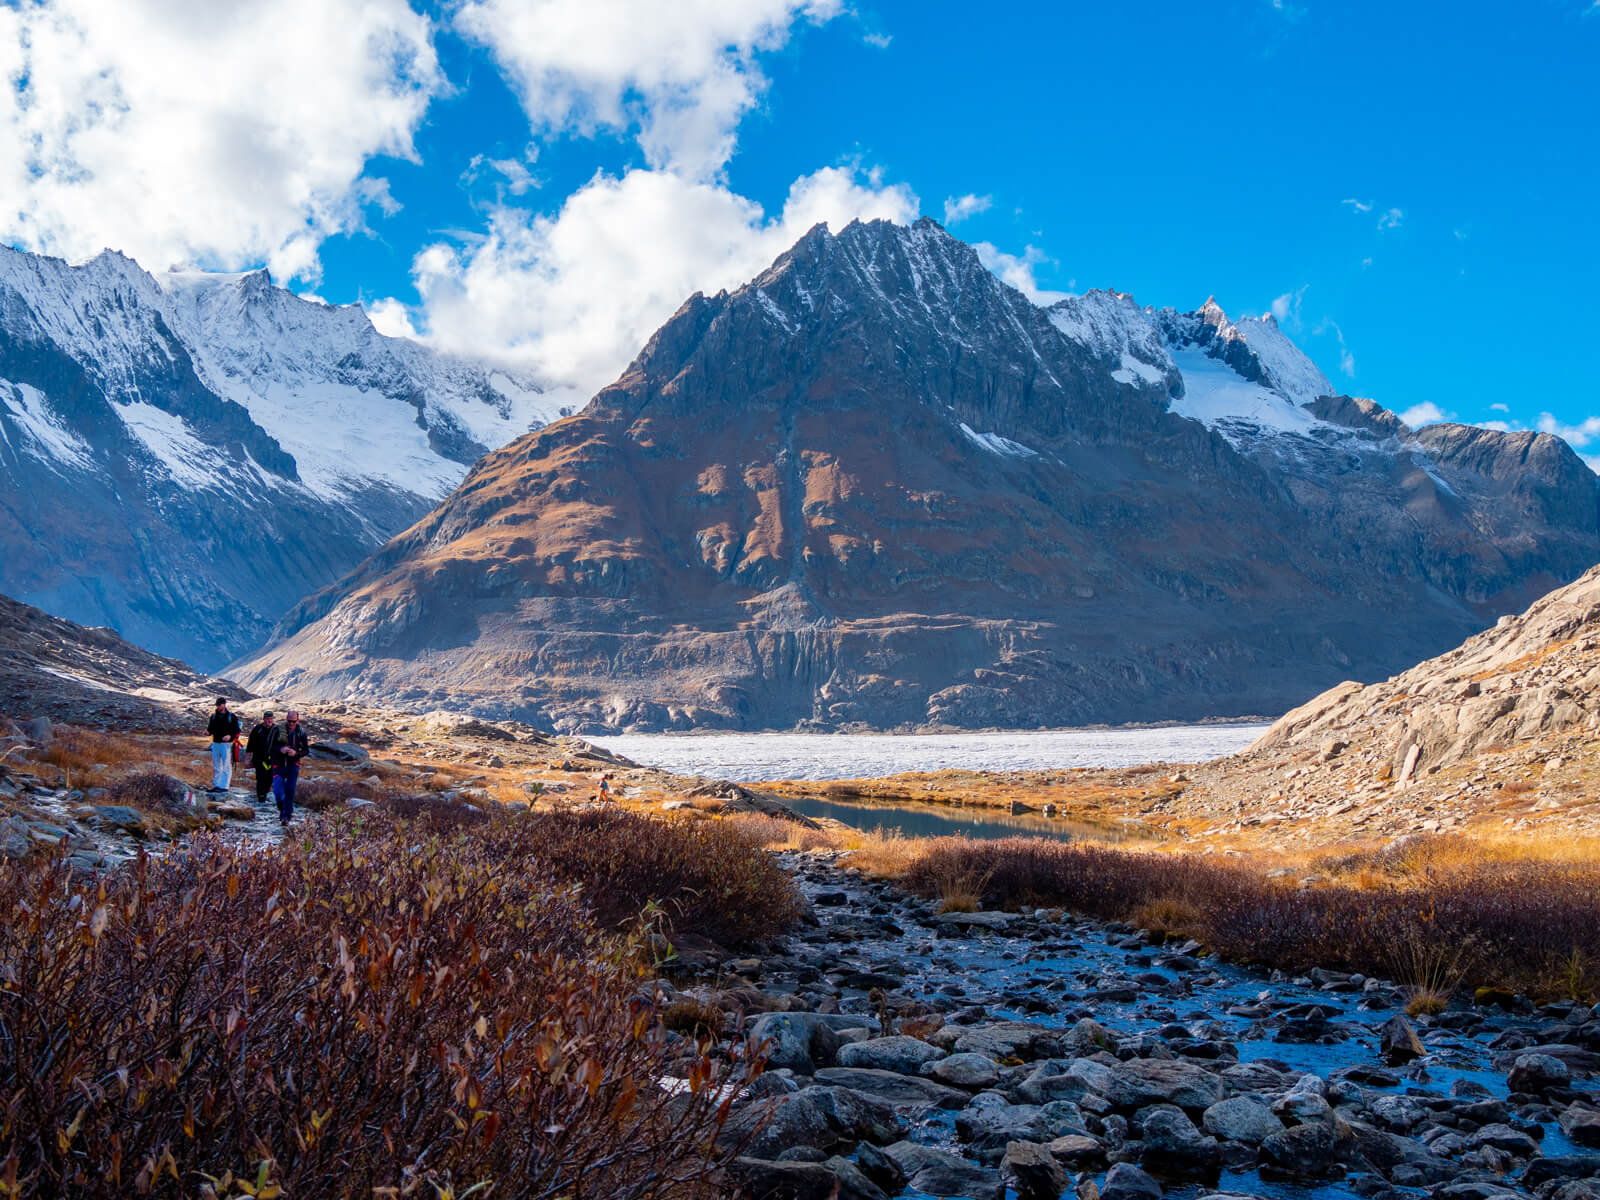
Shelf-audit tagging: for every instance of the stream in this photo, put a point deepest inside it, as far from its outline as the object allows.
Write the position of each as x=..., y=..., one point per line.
x=1114, y=1053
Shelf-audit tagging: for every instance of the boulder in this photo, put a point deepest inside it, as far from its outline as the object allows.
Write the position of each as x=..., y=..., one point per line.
x=1582, y=1124
x=940, y=1173
x=1127, y=1182
x=880, y=1168
x=1305, y=1152
x=987, y=1131
x=1078, y=1151
x=129, y=820
x=1033, y=1171
x=1144, y=1081
x=1537, y=1073
x=39, y=732
x=800, y=1041
x=901, y=1091
x=340, y=752
x=906, y=1055
x=986, y=922
x=1504, y=1137
x=1245, y=1119
x=1173, y=1147
x=854, y=1183
x=1398, y=1042
x=971, y=1071
x=768, y=1179
x=1003, y=1039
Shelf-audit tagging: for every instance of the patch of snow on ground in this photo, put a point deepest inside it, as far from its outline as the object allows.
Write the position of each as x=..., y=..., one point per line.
x=1213, y=393
x=996, y=444
x=49, y=440
x=752, y=757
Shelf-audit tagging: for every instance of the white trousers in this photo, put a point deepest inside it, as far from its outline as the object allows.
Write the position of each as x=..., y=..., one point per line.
x=221, y=764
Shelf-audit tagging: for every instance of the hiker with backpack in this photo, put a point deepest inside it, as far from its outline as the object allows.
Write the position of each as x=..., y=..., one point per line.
x=289, y=746
x=259, y=749
x=224, y=730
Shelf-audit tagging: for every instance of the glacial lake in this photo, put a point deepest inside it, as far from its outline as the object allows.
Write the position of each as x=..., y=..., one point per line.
x=755, y=757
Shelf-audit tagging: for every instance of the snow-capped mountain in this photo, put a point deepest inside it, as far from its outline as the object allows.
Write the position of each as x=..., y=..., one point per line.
x=184, y=456
x=877, y=486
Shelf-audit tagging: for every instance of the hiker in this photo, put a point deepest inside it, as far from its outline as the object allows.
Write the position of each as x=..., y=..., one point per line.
x=224, y=730
x=288, y=748
x=603, y=790
x=259, y=749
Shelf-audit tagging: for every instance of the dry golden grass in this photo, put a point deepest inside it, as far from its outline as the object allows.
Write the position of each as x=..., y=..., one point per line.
x=1169, y=916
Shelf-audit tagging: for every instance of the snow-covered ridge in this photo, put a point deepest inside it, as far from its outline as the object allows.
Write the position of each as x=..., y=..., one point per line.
x=352, y=407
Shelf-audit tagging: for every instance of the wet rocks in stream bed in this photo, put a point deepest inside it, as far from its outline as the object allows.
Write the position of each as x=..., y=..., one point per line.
x=1065, y=1057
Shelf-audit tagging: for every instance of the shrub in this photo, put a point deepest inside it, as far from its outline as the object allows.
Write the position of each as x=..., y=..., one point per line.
x=707, y=876
x=1531, y=925
x=151, y=792
x=371, y=1012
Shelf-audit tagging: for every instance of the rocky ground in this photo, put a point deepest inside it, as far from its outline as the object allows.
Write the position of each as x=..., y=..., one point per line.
x=990, y=1055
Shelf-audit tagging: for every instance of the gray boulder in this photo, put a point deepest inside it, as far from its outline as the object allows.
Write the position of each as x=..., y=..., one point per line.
x=1144, y=1081
x=971, y=1071
x=940, y=1173
x=1033, y=1170
x=1538, y=1073
x=1127, y=1182
x=906, y=1055
x=902, y=1091
x=1245, y=1119
x=1174, y=1147
x=800, y=1041
x=1306, y=1151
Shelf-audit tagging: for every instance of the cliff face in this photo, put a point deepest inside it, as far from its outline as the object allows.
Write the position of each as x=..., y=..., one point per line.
x=876, y=486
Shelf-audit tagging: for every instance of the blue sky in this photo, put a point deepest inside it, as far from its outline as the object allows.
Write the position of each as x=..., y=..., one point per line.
x=1410, y=187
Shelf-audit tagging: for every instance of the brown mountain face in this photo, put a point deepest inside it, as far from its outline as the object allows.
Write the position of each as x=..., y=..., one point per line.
x=878, y=487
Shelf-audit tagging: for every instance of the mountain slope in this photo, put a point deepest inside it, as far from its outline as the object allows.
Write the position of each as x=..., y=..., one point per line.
x=58, y=669
x=185, y=458
x=877, y=486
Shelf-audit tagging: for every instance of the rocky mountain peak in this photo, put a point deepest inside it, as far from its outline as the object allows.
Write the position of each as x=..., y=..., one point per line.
x=878, y=486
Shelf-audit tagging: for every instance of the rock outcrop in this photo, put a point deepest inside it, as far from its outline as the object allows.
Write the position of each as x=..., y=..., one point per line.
x=1530, y=676
x=877, y=487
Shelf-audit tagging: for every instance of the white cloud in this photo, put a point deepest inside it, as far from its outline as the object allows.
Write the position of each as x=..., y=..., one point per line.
x=1017, y=270
x=222, y=134
x=1578, y=436
x=575, y=295
x=959, y=208
x=685, y=74
x=1286, y=308
x=1426, y=413
x=1391, y=219
x=1505, y=408
x=516, y=179
x=882, y=41
x=1361, y=206
x=1347, y=360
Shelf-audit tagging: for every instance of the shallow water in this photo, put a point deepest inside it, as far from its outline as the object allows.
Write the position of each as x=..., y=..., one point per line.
x=753, y=757
x=927, y=820
x=1051, y=981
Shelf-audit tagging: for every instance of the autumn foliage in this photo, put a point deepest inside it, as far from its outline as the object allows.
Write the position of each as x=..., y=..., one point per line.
x=1533, y=926
x=390, y=1008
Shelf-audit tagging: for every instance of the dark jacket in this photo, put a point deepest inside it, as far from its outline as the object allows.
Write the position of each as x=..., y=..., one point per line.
x=289, y=739
x=223, y=727
x=259, y=745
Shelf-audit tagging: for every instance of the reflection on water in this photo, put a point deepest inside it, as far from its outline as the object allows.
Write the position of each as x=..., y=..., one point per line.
x=927, y=820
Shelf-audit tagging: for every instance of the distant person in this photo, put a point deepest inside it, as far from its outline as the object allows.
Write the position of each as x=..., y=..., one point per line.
x=603, y=791
x=289, y=747
x=224, y=730
x=258, y=747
